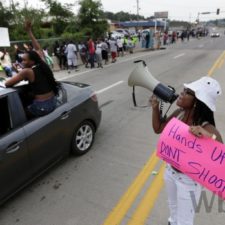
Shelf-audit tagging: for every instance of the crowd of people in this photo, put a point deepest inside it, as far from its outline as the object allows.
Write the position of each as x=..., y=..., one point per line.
x=92, y=53
x=173, y=36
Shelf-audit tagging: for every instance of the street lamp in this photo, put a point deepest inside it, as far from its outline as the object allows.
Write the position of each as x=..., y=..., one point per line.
x=201, y=13
x=207, y=13
x=138, y=10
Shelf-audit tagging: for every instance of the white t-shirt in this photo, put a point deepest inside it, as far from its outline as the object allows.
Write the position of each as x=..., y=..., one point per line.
x=104, y=46
x=120, y=43
x=113, y=46
x=70, y=50
x=98, y=48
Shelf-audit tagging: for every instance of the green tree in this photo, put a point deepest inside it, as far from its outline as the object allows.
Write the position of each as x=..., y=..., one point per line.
x=14, y=16
x=61, y=15
x=122, y=16
x=91, y=18
x=177, y=23
x=6, y=16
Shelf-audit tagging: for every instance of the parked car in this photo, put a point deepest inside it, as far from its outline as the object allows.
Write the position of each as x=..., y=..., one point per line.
x=215, y=34
x=29, y=146
x=116, y=35
x=133, y=33
x=123, y=31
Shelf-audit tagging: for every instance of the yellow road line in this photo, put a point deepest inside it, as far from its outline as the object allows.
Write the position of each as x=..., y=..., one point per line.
x=126, y=201
x=215, y=65
x=220, y=64
x=221, y=61
x=147, y=203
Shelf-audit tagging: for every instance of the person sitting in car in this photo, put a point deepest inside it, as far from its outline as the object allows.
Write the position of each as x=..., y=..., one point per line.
x=40, y=77
x=42, y=83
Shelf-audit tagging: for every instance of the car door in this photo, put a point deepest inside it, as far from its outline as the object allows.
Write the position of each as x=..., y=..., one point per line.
x=48, y=137
x=14, y=160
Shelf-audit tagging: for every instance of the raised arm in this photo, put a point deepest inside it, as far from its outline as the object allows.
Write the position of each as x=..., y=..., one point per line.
x=35, y=43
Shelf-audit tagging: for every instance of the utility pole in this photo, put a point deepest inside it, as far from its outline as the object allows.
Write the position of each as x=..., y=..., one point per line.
x=12, y=4
x=138, y=10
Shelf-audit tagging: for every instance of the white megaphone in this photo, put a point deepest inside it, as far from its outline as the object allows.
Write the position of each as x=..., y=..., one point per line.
x=142, y=77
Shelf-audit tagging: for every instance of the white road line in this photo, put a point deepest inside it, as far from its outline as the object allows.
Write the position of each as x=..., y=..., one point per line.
x=109, y=87
x=178, y=56
x=200, y=46
x=77, y=74
x=106, y=66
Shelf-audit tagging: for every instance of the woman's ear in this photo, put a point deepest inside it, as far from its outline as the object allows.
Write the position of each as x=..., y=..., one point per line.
x=195, y=103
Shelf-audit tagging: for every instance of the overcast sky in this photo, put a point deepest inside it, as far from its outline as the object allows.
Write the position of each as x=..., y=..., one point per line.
x=178, y=9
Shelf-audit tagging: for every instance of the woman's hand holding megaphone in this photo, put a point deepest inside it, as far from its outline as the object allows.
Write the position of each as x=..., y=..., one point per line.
x=154, y=102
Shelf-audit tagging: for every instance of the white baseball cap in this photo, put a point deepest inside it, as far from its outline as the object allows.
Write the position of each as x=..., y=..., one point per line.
x=206, y=90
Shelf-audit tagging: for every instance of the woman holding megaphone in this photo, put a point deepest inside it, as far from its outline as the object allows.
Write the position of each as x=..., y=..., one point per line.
x=196, y=104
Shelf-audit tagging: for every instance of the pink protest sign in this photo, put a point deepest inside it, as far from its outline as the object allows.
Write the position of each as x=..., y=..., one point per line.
x=202, y=159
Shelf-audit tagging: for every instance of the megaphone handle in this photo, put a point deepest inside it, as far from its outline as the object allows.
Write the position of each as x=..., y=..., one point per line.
x=163, y=118
x=161, y=111
x=134, y=98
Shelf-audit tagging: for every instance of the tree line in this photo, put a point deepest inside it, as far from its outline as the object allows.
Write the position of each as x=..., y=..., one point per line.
x=55, y=20
x=58, y=20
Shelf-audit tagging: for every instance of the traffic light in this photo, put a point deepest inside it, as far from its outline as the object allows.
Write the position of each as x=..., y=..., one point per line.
x=217, y=11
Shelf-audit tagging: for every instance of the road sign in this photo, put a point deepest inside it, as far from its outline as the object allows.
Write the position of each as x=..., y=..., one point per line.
x=161, y=15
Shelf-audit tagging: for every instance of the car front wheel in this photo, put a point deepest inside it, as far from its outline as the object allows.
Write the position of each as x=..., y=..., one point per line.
x=83, y=138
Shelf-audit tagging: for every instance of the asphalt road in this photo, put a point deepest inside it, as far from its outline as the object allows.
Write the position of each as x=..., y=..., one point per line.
x=84, y=190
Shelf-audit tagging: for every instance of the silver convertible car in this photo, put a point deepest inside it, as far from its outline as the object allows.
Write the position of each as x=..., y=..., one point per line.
x=30, y=146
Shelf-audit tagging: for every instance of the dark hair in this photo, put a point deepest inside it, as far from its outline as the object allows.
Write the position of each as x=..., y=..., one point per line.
x=202, y=113
x=46, y=71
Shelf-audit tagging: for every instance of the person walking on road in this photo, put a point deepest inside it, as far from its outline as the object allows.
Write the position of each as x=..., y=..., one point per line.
x=120, y=46
x=130, y=45
x=113, y=49
x=71, y=53
x=174, y=37
x=56, y=51
x=91, y=52
x=165, y=38
x=196, y=106
x=188, y=35
x=98, y=53
x=105, y=51
x=83, y=54
x=62, y=57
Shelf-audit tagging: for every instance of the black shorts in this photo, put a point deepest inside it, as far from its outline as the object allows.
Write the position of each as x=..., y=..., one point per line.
x=104, y=55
